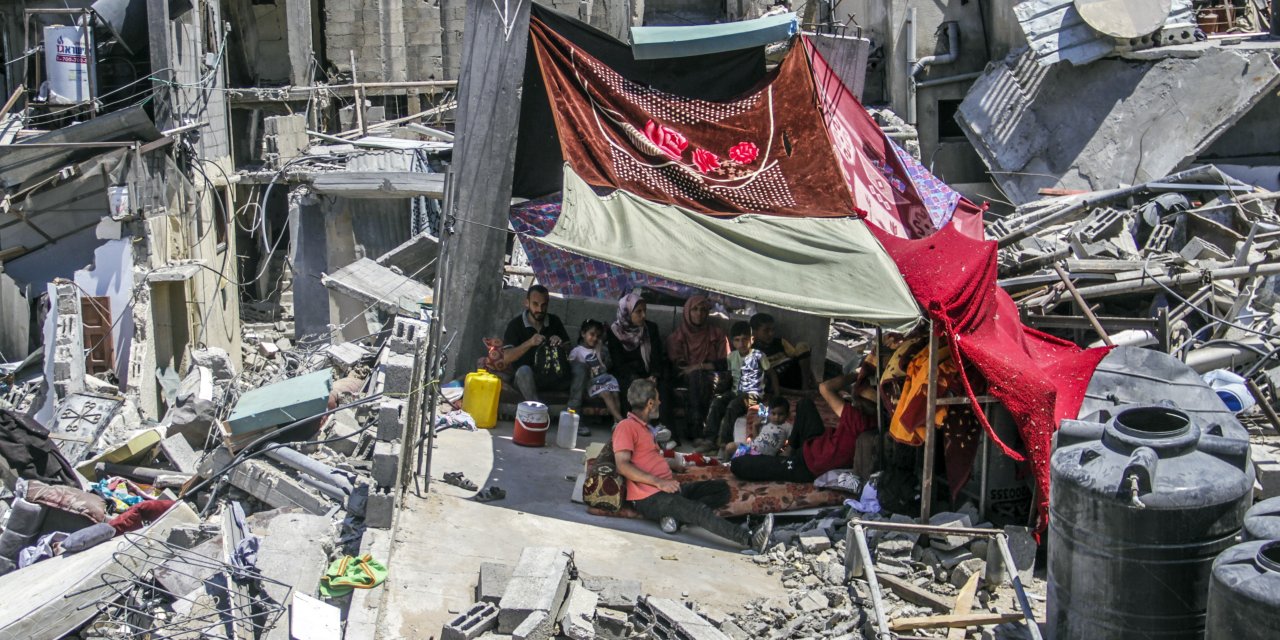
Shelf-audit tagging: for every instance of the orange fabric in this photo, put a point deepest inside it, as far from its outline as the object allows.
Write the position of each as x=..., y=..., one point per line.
x=633, y=435
x=907, y=425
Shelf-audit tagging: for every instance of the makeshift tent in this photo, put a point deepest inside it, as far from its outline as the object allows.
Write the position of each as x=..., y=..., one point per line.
x=752, y=195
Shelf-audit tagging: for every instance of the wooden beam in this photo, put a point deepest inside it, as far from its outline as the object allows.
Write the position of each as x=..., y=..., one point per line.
x=964, y=602
x=953, y=621
x=493, y=57
x=916, y=595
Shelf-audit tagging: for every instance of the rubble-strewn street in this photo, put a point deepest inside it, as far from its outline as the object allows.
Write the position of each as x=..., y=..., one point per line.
x=763, y=319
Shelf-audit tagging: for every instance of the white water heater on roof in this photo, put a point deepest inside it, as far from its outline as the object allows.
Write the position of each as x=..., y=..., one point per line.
x=67, y=52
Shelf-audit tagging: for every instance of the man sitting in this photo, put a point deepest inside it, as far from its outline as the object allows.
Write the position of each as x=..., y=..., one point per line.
x=525, y=335
x=652, y=488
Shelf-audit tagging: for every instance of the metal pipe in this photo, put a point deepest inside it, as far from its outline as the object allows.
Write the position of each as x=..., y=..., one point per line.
x=864, y=553
x=915, y=66
x=1084, y=306
x=964, y=77
x=1219, y=357
x=1129, y=338
x=953, y=50
x=930, y=429
x=911, y=63
x=309, y=466
x=910, y=527
x=1149, y=283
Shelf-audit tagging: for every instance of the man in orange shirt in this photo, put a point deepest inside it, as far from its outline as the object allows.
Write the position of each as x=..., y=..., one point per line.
x=650, y=479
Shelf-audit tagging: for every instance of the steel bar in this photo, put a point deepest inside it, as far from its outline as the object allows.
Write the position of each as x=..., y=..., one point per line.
x=1029, y=616
x=908, y=527
x=1145, y=283
x=930, y=429
x=1269, y=412
x=877, y=603
x=1084, y=306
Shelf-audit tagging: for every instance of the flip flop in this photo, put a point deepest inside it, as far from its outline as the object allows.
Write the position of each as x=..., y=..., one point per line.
x=456, y=479
x=489, y=494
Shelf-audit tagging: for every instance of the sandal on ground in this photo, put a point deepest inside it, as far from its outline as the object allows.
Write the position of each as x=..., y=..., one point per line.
x=456, y=479
x=489, y=494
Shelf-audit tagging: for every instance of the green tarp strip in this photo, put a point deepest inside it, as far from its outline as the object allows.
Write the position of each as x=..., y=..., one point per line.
x=651, y=43
x=829, y=267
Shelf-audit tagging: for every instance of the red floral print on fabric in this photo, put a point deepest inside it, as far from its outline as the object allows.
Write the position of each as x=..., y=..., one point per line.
x=705, y=160
x=743, y=152
x=672, y=142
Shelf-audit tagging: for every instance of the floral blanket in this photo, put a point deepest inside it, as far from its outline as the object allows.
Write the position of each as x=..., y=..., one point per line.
x=751, y=498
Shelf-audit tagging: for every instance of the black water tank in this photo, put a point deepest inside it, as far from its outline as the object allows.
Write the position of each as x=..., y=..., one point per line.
x=1138, y=510
x=1262, y=521
x=1244, y=597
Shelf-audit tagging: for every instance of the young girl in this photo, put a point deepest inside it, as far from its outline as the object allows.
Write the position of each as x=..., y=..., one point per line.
x=591, y=353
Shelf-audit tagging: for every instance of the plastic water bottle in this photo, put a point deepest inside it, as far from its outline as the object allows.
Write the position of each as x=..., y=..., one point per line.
x=567, y=430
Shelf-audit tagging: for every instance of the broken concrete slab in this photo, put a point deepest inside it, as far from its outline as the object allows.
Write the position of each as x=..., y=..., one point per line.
x=1035, y=128
x=492, y=581
x=374, y=284
x=949, y=519
x=577, y=616
x=414, y=257
x=1056, y=31
x=676, y=620
x=179, y=453
x=265, y=483
x=292, y=551
x=537, y=625
x=312, y=619
x=614, y=593
x=538, y=584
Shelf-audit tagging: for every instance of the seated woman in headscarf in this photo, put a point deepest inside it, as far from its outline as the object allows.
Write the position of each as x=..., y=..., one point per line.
x=636, y=351
x=698, y=350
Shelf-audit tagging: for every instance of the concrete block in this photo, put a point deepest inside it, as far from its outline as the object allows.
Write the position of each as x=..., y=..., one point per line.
x=406, y=333
x=949, y=558
x=1022, y=546
x=814, y=541
x=179, y=453
x=949, y=519
x=480, y=618
x=386, y=463
x=577, y=616
x=397, y=371
x=538, y=583
x=380, y=510
x=266, y=483
x=344, y=423
x=674, y=619
x=390, y=420
x=963, y=571
x=537, y=625
x=611, y=624
x=614, y=593
x=492, y=582
x=346, y=355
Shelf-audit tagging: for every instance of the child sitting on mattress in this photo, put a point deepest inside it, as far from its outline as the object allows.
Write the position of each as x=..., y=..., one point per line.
x=772, y=435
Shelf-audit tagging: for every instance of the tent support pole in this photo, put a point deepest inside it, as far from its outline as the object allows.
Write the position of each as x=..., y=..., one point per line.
x=879, y=348
x=930, y=430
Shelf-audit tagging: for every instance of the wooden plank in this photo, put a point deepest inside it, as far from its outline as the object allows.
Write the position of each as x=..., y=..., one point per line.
x=930, y=429
x=953, y=621
x=95, y=316
x=916, y=595
x=493, y=55
x=964, y=602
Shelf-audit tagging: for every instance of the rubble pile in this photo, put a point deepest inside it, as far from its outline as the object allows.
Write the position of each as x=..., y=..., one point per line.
x=1188, y=262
